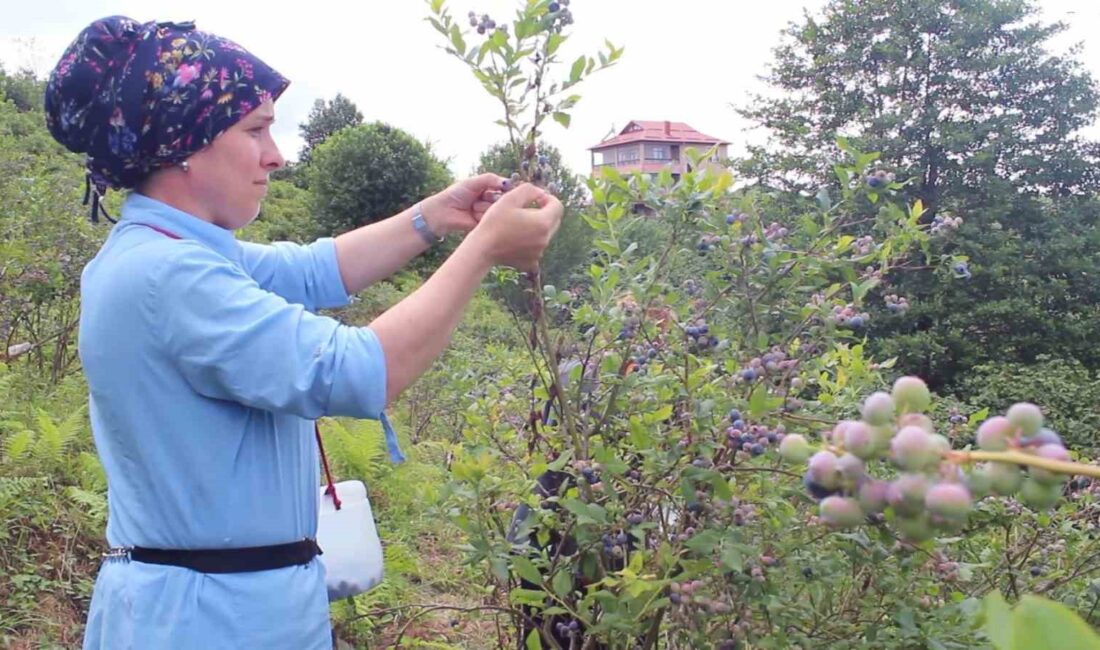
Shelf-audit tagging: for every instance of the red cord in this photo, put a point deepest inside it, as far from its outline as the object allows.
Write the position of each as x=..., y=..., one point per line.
x=331, y=489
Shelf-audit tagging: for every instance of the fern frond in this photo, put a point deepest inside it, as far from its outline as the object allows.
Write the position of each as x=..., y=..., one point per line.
x=356, y=447
x=92, y=475
x=17, y=445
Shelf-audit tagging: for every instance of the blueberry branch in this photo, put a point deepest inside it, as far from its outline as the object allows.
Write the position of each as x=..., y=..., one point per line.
x=1069, y=468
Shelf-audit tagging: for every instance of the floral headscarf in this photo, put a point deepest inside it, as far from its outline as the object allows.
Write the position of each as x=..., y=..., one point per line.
x=136, y=97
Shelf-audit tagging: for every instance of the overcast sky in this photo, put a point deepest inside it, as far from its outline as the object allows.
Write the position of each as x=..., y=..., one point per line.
x=684, y=61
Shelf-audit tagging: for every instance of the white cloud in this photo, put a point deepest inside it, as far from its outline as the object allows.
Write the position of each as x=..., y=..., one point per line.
x=684, y=61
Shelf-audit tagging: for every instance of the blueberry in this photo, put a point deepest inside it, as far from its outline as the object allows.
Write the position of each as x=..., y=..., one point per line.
x=622, y=539
x=875, y=181
x=735, y=415
x=574, y=625
x=731, y=218
x=772, y=438
x=652, y=353
x=1036, y=571
x=815, y=490
x=739, y=423
x=554, y=7
x=757, y=449
x=856, y=322
x=808, y=572
x=634, y=519
x=748, y=374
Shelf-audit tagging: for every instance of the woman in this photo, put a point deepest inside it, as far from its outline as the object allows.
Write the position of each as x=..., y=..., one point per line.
x=205, y=364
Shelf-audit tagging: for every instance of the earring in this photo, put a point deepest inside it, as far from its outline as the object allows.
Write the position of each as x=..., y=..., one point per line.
x=185, y=166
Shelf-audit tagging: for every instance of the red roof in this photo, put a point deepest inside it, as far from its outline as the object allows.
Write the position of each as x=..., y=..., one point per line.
x=656, y=131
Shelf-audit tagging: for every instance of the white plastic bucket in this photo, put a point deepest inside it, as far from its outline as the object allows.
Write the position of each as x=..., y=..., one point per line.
x=350, y=549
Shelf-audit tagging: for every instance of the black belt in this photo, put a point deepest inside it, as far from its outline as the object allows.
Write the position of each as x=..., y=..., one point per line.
x=225, y=560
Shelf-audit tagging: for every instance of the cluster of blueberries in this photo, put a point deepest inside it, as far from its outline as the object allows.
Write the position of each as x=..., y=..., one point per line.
x=848, y=316
x=753, y=439
x=879, y=179
x=942, y=224
x=771, y=362
x=932, y=492
x=896, y=304
x=485, y=23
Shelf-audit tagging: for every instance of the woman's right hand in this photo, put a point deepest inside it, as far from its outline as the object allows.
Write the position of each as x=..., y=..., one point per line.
x=518, y=227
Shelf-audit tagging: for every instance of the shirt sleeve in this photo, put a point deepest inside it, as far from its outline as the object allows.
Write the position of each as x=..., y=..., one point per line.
x=233, y=340
x=308, y=275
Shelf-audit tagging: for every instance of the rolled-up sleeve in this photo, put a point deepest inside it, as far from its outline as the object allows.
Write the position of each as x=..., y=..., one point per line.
x=233, y=340
x=307, y=275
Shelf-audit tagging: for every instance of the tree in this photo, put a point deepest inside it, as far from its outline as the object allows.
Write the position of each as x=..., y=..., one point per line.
x=369, y=172
x=573, y=241
x=324, y=120
x=953, y=94
x=977, y=117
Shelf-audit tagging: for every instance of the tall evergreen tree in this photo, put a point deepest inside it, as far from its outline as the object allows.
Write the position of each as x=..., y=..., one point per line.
x=968, y=104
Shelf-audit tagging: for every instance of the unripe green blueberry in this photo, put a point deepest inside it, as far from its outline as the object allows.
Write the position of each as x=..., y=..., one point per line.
x=842, y=512
x=794, y=448
x=1025, y=417
x=913, y=449
x=1039, y=496
x=851, y=467
x=914, y=529
x=883, y=434
x=979, y=482
x=872, y=496
x=859, y=441
x=941, y=446
x=917, y=420
x=822, y=470
x=949, y=500
x=1006, y=478
x=994, y=433
x=878, y=408
x=1052, y=452
x=911, y=395
x=906, y=494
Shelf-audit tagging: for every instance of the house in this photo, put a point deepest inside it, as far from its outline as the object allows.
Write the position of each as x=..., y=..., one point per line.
x=650, y=146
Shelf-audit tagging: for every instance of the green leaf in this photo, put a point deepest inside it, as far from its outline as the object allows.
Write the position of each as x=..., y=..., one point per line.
x=1041, y=623
x=526, y=570
x=534, y=640
x=562, y=118
x=578, y=68
x=456, y=40
x=562, y=582
x=997, y=621
x=527, y=597
x=552, y=43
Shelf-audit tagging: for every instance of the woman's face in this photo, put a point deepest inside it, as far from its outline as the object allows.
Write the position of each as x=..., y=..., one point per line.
x=228, y=178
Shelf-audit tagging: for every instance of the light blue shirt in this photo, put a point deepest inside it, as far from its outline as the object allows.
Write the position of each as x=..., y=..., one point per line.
x=206, y=367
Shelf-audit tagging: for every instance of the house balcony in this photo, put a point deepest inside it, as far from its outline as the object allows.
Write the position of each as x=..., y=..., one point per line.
x=647, y=165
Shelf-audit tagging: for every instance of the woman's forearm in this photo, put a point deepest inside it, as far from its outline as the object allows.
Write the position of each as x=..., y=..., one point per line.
x=376, y=251
x=415, y=331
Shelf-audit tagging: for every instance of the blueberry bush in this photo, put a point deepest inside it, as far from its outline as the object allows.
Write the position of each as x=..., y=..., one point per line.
x=634, y=494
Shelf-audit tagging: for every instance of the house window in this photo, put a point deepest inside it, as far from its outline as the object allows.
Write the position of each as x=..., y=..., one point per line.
x=658, y=152
x=629, y=154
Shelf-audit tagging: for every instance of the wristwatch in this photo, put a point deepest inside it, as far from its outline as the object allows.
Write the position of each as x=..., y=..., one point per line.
x=421, y=227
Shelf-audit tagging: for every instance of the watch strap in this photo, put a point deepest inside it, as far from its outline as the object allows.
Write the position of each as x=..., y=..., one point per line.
x=422, y=228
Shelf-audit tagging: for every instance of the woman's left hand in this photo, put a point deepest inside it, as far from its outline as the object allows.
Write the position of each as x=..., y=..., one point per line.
x=460, y=207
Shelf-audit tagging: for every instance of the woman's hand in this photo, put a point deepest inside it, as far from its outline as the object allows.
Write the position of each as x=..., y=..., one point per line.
x=461, y=206
x=518, y=227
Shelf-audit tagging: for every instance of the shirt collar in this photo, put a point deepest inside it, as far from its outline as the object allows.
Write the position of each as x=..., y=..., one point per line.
x=138, y=209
